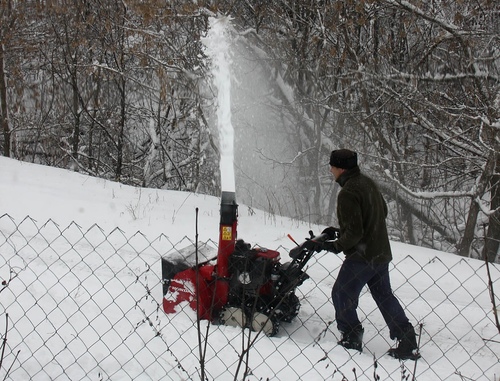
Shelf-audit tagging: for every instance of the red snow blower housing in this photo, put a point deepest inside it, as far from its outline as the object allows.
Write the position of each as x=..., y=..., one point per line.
x=246, y=287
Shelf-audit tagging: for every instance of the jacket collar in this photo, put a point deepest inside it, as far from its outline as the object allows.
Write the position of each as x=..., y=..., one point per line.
x=347, y=175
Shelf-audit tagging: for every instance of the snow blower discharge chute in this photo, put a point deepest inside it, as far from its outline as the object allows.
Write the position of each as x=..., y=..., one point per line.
x=242, y=286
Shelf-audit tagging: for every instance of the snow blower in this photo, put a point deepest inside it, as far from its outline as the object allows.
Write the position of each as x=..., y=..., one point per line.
x=242, y=286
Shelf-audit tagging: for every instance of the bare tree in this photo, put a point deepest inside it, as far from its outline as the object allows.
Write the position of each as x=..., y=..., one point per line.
x=8, y=23
x=118, y=90
x=413, y=88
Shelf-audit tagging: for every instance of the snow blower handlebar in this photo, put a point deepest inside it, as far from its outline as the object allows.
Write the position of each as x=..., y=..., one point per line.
x=313, y=243
x=293, y=274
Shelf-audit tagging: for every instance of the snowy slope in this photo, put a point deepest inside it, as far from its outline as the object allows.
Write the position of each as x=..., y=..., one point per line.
x=433, y=294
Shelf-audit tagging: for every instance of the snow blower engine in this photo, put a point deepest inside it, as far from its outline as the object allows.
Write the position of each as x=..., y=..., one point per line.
x=242, y=286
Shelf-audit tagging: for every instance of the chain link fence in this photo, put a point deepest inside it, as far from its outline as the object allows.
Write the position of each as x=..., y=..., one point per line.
x=85, y=304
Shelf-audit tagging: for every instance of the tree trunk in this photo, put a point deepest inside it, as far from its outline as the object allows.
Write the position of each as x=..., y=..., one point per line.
x=119, y=144
x=492, y=238
x=465, y=243
x=76, y=114
x=464, y=246
x=4, y=116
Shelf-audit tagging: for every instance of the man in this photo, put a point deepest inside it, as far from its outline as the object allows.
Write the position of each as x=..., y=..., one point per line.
x=363, y=237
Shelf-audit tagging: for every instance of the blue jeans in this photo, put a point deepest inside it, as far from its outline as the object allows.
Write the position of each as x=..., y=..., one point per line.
x=352, y=277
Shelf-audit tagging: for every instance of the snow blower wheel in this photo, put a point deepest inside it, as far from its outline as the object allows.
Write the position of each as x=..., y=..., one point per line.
x=233, y=317
x=288, y=308
x=268, y=325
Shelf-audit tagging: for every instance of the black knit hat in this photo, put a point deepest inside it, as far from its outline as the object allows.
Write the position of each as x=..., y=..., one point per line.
x=344, y=158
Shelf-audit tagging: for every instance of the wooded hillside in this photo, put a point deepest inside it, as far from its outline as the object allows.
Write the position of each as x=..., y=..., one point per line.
x=120, y=89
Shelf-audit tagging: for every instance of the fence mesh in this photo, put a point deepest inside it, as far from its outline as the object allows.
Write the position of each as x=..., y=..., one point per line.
x=85, y=304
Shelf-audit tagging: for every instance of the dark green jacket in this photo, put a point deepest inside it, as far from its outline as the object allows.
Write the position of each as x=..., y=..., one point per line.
x=361, y=212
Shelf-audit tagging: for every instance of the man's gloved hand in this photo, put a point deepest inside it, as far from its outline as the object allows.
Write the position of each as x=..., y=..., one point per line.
x=332, y=246
x=317, y=244
x=310, y=244
x=332, y=233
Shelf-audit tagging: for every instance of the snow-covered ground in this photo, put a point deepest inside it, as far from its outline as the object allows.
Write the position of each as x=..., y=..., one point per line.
x=84, y=301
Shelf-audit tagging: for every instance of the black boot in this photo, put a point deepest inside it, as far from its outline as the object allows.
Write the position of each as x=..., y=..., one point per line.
x=407, y=348
x=353, y=339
